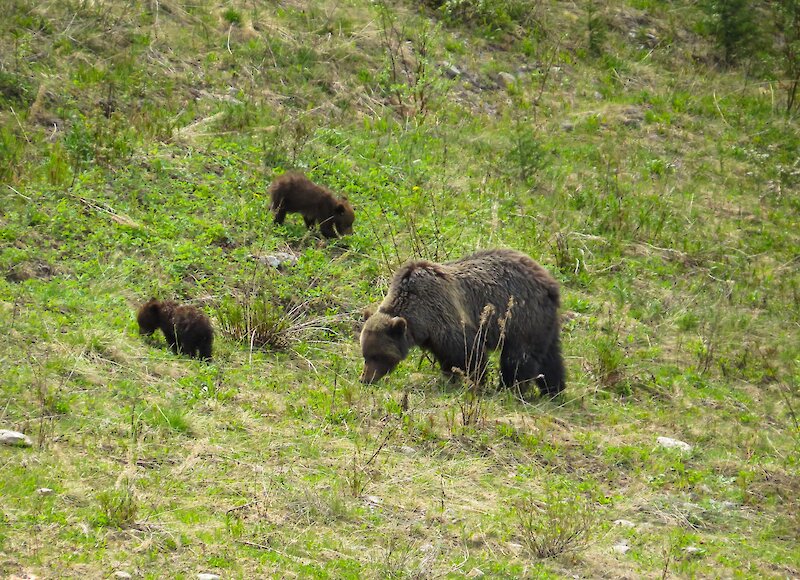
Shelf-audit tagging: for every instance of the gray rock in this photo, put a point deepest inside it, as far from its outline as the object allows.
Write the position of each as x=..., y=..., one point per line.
x=44, y=491
x=621, y=547
x=14, y=438
x=475, y=573
x=207, y=576
x=122, y=574
x=693, y=551
x=506, y=79
x=277, y=260
x=670, y=443
x=624, y=523
x=451, y=71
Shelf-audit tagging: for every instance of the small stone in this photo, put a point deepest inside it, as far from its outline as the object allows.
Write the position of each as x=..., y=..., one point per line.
x=621, y=547
x=693, y=551
x=567, y=126
x=475, y=573
x=506, y=79
x=278, y=259
x=624, y=523
x=670, y=443
x=122, y=574
x=44, y=491
x=373, y=499
x=207, y=576
x=451, y=71
x=14, y=438
x=406, y=450
x=514, y=547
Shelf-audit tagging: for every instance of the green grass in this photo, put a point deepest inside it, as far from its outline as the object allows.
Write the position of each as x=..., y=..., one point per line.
x=136, y=146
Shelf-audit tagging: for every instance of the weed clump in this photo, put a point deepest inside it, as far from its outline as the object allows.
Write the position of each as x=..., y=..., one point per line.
x=556, y=523
x=118, y=507
x=258, y=321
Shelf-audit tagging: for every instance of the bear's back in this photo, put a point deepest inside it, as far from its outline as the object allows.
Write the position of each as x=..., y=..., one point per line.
x=504, y=273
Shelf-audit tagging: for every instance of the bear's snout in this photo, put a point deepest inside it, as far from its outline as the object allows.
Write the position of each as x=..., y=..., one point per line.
x=371, y=375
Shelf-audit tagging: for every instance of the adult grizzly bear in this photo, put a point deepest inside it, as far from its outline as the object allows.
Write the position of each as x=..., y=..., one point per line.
x=493, y=299
x=186, y=328
x=295, y=193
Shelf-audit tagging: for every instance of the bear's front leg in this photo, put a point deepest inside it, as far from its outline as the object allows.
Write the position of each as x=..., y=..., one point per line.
x=472, y=367
x=172, y=341
x=326, y=229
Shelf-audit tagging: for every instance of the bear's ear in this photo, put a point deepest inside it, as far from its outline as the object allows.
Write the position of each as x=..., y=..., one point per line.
x=339, y=208
x=367, y=312
x=397, y=326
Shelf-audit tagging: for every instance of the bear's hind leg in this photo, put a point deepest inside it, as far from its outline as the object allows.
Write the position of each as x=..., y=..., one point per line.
x=280, y=214
x=552, y=367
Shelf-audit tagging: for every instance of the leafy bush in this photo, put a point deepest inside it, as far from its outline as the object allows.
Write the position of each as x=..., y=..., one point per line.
x=733, y=23
x=558, y=522
x=494, y=15
x=118, y=507
x=259, y=321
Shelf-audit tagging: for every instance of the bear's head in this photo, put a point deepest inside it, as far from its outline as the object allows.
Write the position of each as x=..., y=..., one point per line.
x=385, y=341
x=149, y=316
x=343, y=217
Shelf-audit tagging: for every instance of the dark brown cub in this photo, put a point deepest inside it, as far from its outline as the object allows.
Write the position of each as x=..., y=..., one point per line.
x=295, y=193
x=186, y=328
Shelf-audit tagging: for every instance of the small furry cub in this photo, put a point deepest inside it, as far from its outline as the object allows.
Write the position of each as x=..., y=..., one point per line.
x=185, y=327
x=295, y=193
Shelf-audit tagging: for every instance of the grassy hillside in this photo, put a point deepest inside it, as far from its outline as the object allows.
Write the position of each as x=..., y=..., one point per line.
x=605, y=139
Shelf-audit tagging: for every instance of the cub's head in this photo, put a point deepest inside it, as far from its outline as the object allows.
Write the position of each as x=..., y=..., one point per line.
x=343, y=217
x=149, y=316
x=384, y=343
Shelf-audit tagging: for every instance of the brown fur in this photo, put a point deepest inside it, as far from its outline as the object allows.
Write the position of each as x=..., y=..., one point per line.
x=457, y=310
x=186, y=328
x=294, y=193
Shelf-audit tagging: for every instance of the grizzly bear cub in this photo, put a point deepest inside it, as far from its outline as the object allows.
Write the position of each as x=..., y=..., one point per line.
x=294, y=193
x=186, y=328
x=492, y=300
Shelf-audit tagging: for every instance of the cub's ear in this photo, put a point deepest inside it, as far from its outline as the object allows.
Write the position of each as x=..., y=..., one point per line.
x=339, y=208
x=367, y=312
x=397, y=326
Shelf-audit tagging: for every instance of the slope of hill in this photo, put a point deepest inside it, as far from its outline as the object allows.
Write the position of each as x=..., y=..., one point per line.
x=137, y=141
